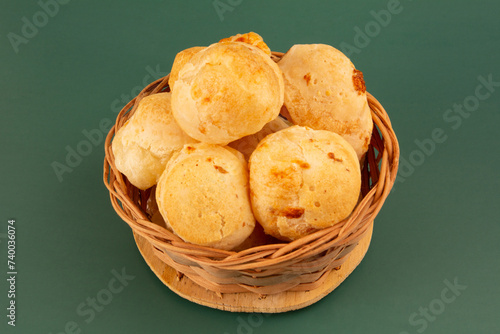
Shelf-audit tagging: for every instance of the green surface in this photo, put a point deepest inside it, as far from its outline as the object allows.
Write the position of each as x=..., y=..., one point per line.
x=439, y=226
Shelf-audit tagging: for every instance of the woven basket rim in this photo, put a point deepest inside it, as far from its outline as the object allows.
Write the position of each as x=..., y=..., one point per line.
x=128, y=202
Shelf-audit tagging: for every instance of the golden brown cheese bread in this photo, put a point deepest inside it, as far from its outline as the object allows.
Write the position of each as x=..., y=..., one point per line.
x=324, y=91
x=227, y=91
x=247, y=145
x=303, y=180
x=203, y=196
x=179, y=61
x=145, y=143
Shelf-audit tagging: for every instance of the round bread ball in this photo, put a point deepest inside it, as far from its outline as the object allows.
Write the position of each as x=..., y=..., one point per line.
x=179, y=61
x=144, y=144
x=203, y=196
x=227, y=91
x=324, y=91
x=303, y=180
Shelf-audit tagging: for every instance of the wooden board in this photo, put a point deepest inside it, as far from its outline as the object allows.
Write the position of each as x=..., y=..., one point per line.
x=250, y=302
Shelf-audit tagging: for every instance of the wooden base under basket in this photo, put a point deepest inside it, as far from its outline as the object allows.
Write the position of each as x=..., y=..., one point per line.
x=250, y=302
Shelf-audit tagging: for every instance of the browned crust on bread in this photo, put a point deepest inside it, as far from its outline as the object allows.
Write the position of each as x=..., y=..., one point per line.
x=289, y=212
x=220, y=169
x=331, y=155
x=307, y=78
x=251, y=38
x=302, y=164
x=358, y=81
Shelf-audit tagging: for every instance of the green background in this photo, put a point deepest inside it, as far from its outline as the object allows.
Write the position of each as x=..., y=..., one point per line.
x=440, y=224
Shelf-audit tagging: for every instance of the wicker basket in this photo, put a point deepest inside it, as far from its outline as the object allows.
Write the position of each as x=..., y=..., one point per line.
x=300, y=265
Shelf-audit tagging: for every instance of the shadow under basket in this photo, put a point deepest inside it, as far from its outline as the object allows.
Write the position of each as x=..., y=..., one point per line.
x=270, y=278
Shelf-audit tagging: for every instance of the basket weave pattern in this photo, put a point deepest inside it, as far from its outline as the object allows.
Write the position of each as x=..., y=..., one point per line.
x=300, y=265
